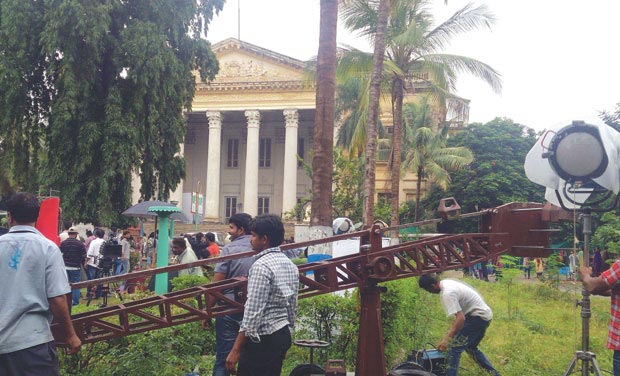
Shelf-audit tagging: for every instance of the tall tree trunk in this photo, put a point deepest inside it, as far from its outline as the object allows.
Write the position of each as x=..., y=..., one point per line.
x=323, y=143
x=418, y=193
x=397, y=143
x=373, y=112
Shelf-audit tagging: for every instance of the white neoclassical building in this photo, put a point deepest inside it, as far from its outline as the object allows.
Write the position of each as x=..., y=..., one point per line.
x=249, y=127
x=245, y=133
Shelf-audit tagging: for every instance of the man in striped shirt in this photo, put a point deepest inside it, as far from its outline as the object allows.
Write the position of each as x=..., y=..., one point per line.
x=271, y=306
x=608, y=284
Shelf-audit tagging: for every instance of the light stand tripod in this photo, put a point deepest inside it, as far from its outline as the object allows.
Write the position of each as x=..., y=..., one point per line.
x=586, y=356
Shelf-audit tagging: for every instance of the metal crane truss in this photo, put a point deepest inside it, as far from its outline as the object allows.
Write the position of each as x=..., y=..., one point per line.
x=434, y=254
x=509, y=228
x=409, y=259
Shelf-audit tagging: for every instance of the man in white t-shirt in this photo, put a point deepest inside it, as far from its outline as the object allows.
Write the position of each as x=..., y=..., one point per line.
x=472, y=317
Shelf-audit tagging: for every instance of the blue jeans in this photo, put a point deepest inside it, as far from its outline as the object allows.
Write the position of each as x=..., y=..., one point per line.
x=75, y=276
x=468, y=340
x=91, y=273
x=122, y=266
x=616, y=362
x=226, y=330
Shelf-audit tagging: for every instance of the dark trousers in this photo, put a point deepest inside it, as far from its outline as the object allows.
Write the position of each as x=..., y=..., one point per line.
x=226, y=330
x=468, y=340
x=265, y=358
x=34, y=361
x=616, y=362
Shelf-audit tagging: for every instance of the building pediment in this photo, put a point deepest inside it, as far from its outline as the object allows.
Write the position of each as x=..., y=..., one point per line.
x=245, y=66
x=256, y=78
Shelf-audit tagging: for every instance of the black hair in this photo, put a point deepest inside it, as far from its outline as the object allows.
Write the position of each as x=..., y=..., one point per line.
x=24, y=207
x=241, y=220
x=271, y=226
x=89, y=233
x=210, y=236
x=427, y=280
x=66, y=225
x=99, y=233
x=199, y=236
x=180, y=242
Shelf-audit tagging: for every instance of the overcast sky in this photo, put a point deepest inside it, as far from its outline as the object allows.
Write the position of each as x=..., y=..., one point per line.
x=559, y=59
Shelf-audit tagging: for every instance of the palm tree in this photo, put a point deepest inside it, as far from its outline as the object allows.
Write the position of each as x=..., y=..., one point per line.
x=427, y=152
x=323, y=143
x=380, y=37
x=414, y=47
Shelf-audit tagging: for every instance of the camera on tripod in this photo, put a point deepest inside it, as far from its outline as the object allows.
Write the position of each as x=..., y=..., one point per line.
x=109, y=252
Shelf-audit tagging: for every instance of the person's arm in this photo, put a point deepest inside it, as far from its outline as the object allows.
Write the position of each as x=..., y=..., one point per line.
x=83, y=255
x=594, y=285
x=233, y=356
x=60, y=311
x=457, y=325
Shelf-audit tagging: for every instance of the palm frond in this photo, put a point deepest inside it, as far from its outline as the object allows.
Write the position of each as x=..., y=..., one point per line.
x=463, y=64
x=464, y=20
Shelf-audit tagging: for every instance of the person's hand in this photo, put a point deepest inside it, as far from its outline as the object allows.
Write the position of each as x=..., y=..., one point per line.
x=231, y=361
x=73, y=344
x=443, y=345
x=584, y=272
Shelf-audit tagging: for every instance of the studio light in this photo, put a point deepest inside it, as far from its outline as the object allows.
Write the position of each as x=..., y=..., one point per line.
x=576, y=153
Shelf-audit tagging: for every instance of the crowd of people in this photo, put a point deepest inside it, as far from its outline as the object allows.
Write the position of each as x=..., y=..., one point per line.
x=254, y=341
x=39, y=272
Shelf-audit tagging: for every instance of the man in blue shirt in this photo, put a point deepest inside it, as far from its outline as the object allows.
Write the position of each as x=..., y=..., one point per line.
x=33, y=266
x=269, y=314
x=227, y=327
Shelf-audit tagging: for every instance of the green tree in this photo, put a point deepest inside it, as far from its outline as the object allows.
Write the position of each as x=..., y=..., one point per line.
x=110, y=81
x=496, y=175
x=612, y=118
x=25, y=93
x=427, y=152
x=348, y=180
x=607, y=234
x=414, y=46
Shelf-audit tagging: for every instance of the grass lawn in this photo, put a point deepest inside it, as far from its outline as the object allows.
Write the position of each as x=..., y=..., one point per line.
x=535, y=331
x=536, y=328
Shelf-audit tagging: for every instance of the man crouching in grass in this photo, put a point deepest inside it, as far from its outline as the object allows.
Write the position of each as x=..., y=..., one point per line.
x=271, y=305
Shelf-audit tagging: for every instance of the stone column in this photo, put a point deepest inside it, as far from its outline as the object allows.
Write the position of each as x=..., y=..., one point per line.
x=289, y=189
x=250, y=193
x=177, y=195
x=212, y=183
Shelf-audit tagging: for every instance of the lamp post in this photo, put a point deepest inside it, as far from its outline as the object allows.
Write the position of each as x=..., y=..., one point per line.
x=163, y=216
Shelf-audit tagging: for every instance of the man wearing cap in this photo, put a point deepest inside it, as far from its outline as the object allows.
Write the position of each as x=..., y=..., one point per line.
x=74, y=255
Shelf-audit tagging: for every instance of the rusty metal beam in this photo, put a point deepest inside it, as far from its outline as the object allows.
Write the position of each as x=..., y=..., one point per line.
x=405, y=260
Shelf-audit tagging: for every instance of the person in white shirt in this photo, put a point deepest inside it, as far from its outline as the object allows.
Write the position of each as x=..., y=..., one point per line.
x=472, y=317
x=92, y=257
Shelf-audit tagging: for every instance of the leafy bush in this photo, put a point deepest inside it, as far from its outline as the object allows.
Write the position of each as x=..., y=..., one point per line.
x=186, y=281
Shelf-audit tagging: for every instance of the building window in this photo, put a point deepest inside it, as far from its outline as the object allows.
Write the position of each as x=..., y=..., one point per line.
x=263, y=205
x=232, y=160
x=231, y=207
x=300, y=152
x=264, y=152
x=384, y=197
